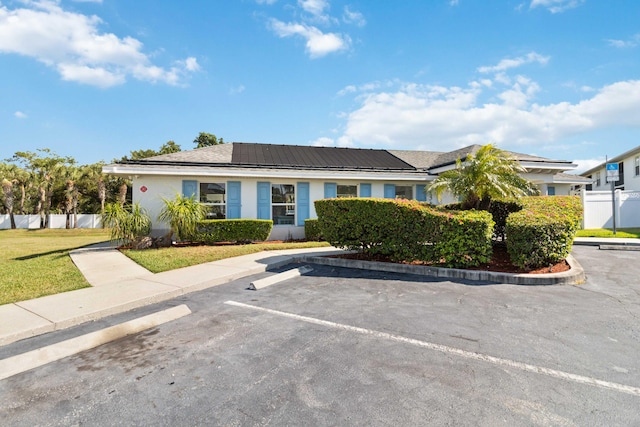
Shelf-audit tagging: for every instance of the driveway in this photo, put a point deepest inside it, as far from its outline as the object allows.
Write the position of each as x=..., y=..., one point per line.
x=351, y=347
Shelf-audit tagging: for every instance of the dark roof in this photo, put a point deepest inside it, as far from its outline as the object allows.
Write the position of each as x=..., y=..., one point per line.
x=315, y=157
x=244, y=154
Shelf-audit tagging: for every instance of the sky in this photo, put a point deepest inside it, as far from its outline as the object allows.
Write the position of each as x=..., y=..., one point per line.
x=96, y=79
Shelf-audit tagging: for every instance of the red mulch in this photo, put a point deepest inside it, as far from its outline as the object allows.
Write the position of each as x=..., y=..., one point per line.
x=500, y=262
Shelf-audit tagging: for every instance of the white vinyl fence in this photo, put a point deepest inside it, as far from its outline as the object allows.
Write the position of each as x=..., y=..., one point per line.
x=55, y=221
x=598, y=209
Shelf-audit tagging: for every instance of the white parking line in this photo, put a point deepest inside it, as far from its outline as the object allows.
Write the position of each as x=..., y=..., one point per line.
x=452, y=350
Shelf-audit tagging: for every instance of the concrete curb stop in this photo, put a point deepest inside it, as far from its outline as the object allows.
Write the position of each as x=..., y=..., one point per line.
x=286, y=275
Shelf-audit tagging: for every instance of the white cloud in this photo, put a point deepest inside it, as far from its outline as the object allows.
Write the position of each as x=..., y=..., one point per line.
x=509, y=63
x=20, y=115
x=445, y=118
x=323, y=142
x=269, y=2
x=556, y=6
x=586, y=164
x=318, y=44
x=454, y=2
x=631, y=42
x=87, y=1
x=72, y=44
x=237, y=90
x=314, y=7
x=352, y=17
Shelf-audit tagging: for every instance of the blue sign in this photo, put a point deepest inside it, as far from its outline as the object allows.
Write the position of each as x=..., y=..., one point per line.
x=612, y=172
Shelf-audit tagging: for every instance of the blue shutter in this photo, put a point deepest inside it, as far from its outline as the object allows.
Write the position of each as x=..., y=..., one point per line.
x=189, y=188
x=234, y=200
x=365, y=190
x=264, y=200
x=421, y=194
x=302, y=201
x=330, y=190
x=551, y=191
x=389, y=191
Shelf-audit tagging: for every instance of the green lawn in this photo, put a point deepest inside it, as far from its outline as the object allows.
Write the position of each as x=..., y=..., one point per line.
x=35, y=263
x=602, y=232
x=164, y=259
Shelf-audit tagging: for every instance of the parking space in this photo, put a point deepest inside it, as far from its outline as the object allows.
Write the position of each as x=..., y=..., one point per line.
x=344, y=346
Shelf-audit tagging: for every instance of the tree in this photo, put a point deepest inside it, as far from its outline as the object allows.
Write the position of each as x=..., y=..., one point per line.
x=207, y=140
x=169, y=147
x=182, y=214
x=7, y=189
x=166, y=148
x=489, y=174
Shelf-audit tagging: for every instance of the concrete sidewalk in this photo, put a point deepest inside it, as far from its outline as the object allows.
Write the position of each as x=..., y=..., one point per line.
x=119, y=285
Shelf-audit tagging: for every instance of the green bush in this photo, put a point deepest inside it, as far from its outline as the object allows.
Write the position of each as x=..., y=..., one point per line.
x=404, y=230
x=233, y=230
x=542, y=233
x=312, y=230
x=127, y=226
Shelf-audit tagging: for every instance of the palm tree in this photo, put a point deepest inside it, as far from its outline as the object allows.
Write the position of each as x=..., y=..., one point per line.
x=7, y=189
x=489, y=174
x=182, y=214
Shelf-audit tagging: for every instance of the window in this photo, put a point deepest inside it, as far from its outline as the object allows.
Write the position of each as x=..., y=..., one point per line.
x=283, y=204
x=404, y=192
x=551, y=190
x=598, y=179
x=213, y=196
x=347, y=191
x=637, y=165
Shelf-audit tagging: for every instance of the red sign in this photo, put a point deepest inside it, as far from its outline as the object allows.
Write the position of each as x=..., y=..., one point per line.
x=143, y=189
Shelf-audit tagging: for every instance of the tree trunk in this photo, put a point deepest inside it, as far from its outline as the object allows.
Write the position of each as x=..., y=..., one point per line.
x=122, y=194
x=23, y=195
x=7, y=189
x=39, y=205
x=102, y=194
x=75, y=208
x=68, y=205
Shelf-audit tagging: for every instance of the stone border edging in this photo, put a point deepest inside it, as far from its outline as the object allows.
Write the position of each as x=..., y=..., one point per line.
x=575, y=276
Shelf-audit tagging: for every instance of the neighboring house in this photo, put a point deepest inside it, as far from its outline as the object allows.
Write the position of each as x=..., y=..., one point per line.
x=281, y=182
x=628, y=170
x=597, y=199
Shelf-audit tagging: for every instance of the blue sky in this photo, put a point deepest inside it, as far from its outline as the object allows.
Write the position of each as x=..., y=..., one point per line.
x=95, y=79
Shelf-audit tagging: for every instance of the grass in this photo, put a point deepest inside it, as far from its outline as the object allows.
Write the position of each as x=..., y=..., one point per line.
x=164, y=259
x=603, y=232
x=35, y=263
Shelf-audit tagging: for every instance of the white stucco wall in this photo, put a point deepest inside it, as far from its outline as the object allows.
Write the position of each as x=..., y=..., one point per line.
x=158, y=187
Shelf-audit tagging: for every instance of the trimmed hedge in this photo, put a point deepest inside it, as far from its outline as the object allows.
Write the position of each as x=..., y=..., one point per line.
x=405, y=230
x=233, y=230
x=312, y=230
x=542, y=233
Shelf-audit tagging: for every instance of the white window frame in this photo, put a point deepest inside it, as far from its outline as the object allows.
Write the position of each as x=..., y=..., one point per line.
x=637, y=165
x=213, y=201
x=410, y=187
x=289, y=204
x=346, y=195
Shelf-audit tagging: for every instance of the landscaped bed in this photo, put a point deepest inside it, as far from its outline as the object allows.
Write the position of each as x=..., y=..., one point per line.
x=499, y=262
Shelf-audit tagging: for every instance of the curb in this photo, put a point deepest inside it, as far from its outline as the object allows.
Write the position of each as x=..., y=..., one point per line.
x=575, y=276
x=32, y=359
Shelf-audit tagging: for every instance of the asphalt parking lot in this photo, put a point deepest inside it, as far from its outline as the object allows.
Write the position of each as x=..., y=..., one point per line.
x=351, y=347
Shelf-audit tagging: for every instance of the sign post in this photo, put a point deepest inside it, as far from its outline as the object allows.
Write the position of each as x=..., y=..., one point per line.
x=613, y=175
